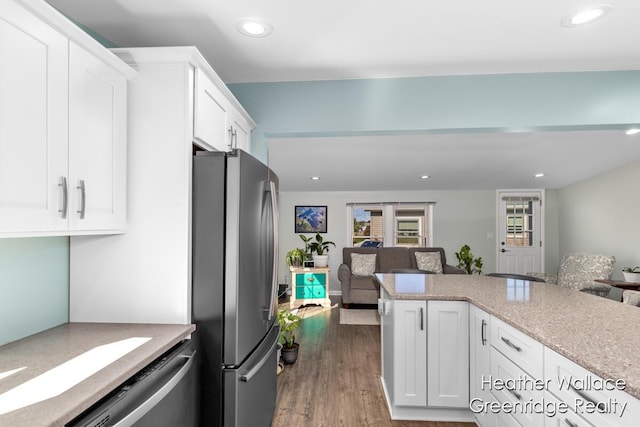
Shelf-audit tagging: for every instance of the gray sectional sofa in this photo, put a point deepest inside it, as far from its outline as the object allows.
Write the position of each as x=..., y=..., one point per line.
x=364, y=289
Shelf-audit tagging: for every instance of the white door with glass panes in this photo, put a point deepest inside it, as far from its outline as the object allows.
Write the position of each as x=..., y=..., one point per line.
x=519, y=234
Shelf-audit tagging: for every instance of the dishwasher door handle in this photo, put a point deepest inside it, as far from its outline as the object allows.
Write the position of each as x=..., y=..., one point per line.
x=152, y=401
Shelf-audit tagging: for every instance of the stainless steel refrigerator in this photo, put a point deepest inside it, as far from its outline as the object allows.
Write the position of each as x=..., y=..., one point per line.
x=235, y=246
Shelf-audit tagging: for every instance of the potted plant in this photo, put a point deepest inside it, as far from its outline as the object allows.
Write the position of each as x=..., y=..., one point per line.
x=289, y=322
x=296, y=257
x=467, y=262
x=317, y=247
x=631, y=274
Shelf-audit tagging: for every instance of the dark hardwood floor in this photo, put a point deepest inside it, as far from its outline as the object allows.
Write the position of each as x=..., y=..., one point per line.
x=336, y=379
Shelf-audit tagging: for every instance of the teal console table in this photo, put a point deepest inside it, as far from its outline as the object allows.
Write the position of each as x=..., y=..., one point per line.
x=310, y=286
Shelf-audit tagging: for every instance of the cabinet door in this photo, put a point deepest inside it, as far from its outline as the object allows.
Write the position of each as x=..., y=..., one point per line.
x=410, y=353
x=211, y=115
x=448, y=354
x=33, y=123
x=240, y=132
x=97, y=143
x=480, y=363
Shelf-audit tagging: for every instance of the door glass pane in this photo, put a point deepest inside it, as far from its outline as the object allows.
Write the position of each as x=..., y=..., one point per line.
x=519, y=223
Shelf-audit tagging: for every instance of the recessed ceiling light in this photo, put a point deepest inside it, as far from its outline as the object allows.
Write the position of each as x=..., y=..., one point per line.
x=254, y=27
x=632, y=131
x=424, y=177
x=586, y=16
x=538, y=175
x=315, y=178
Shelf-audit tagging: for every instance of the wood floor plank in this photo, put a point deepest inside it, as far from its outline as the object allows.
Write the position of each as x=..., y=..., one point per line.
x=336, y=379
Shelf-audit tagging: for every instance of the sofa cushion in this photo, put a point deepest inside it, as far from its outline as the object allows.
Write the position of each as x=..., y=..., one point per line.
x=429, y=261
x=363, y=264
x=364, y=283
x=413, y=251
x=394, y=257
x=346, y=255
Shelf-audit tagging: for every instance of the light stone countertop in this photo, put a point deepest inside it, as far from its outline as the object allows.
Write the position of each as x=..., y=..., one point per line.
x=597, y=333
x=41, y=352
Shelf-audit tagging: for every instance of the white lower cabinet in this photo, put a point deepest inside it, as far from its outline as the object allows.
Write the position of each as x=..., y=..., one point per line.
x=557, y=415
x=480, y=365
x=448, y=354
x=601, y=402
x=425, y=359
x=410, y=353
x=512, y=387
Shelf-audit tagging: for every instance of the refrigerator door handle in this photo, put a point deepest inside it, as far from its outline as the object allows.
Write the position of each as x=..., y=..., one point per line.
x=274, y=278
x=256, y=368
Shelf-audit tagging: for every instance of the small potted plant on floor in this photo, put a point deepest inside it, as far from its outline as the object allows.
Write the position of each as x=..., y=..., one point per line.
x=318, y=248
x=289, y=322
x=631, y=274
x=467, y=262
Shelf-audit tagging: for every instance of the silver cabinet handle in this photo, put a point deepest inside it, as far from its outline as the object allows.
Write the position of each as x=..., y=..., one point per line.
x=421, y=319
x=585, y=396
x=233, y=138
x=510, y=344
x=83, y=198
x=516, y=394
x=65, y=197
x=569, y=423
x=483, y=329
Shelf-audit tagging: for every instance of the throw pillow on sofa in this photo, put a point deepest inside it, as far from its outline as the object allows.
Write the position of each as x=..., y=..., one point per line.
x=363, y=264
x=429, y=261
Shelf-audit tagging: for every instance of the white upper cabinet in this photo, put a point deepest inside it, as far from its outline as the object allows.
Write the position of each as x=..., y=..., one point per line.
x=218, y=124
x=33, y=122
x=62, y=127
x=211, y=116
x=97, y=143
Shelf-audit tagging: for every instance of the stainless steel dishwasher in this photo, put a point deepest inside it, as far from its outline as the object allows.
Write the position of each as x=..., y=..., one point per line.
x=162, y=394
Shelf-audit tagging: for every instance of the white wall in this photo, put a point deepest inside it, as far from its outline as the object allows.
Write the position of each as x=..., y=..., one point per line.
x=460, y=217
x=602, y=215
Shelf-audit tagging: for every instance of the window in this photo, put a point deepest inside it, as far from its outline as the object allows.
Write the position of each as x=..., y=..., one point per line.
x=391, y=224
x=367, y=225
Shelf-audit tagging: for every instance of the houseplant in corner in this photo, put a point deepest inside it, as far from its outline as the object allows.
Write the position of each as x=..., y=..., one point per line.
x=631, y=274
x=317, y=249
x=289, y=322
x=467, y=262
x=296, y=257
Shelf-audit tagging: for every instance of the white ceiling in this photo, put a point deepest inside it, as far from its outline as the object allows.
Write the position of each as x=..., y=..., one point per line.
x=337, y=39
x=334, y=39
x=453, y=162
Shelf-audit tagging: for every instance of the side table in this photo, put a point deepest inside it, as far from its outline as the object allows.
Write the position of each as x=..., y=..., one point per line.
x=310, y=286
x=620, y=285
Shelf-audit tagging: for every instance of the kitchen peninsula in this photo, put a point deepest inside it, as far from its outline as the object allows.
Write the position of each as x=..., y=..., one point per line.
x=437, y=328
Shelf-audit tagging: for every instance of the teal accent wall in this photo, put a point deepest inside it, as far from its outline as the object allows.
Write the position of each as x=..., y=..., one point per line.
x=505, y=102
x=34, y=285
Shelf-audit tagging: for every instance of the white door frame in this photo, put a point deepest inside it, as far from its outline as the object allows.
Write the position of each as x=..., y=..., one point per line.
x=540, y=193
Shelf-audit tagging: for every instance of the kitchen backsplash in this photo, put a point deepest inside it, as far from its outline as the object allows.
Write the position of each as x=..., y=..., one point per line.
x=34, y=285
